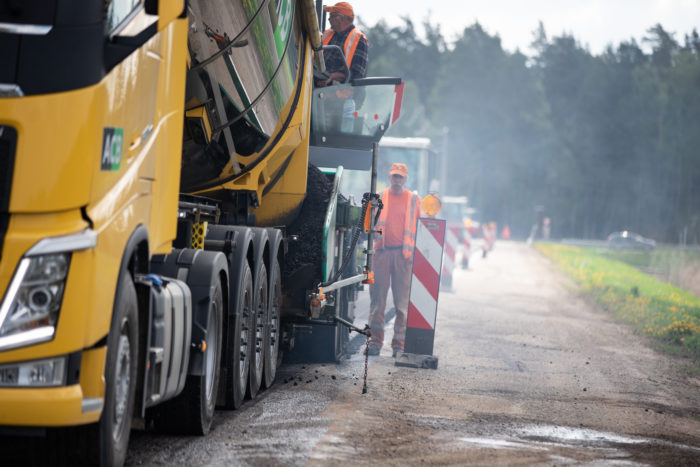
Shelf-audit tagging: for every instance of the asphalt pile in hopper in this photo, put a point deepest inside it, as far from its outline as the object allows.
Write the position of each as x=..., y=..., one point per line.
x=305, y=253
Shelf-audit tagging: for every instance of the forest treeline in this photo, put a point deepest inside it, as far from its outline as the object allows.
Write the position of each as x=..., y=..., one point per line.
x=601, y=142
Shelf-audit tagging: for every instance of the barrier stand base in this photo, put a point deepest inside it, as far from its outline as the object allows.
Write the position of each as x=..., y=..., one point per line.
x=415, y=360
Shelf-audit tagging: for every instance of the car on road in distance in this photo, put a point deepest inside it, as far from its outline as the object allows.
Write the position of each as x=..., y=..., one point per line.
x=631, y=240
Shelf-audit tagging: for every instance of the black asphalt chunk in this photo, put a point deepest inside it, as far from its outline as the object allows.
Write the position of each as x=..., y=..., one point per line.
x=308, y=227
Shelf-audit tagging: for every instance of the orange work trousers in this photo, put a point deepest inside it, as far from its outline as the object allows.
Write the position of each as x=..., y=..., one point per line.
x=390, y=269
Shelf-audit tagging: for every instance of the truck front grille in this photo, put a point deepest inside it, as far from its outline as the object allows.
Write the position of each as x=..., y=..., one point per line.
x=8, y=143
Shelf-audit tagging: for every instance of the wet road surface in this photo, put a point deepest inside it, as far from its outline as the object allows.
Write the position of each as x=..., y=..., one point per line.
x=529, y=374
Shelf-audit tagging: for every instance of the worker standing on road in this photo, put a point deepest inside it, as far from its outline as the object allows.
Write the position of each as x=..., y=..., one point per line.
x=345, y=35
x=393, y=259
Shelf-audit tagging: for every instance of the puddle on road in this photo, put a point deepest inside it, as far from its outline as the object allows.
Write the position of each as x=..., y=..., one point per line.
x=499, y=443
x=605, y=447
x=583, y=435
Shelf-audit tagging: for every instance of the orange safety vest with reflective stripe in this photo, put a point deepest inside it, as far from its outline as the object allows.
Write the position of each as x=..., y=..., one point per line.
x=410, y=223
x=350, y=42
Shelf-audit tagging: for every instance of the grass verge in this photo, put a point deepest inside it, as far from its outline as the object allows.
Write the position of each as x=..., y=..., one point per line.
x=660, y=310
x=680, y=267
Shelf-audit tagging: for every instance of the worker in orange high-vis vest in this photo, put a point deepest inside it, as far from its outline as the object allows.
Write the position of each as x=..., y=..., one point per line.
x=352, y=42
x=393, y=259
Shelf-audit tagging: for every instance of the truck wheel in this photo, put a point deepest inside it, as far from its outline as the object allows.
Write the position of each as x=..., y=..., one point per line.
x=273, y=355
x=257, y=358
x=110, y=437
x=201, y=390
x=238, y=355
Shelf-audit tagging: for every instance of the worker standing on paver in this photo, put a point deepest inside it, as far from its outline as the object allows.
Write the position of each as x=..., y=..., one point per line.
x=345, y=35
x=393, y=258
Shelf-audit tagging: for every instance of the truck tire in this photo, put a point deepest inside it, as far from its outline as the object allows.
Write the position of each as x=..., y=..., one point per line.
x=260, y=302
x=237, y=360
x=109, y=439
x=193, y=410
x=203, y=389
x=273, y=355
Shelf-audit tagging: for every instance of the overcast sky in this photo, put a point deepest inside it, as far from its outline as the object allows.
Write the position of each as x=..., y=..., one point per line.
x=594, y=23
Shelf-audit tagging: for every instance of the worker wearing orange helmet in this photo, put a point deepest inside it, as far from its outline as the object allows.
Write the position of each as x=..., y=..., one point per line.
x=393, y=259
x=353, y=43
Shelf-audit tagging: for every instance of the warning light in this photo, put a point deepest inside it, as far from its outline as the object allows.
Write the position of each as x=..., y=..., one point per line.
x=431, y=205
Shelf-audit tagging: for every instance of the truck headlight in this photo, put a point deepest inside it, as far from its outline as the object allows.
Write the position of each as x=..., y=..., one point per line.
x=30, y=309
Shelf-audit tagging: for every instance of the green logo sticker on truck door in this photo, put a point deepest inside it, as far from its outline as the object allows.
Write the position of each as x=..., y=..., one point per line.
x=112, y=140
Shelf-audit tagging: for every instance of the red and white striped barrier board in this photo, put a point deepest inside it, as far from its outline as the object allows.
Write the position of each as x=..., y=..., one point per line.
x=451, y=245
x=489, y=237
x=425, y=285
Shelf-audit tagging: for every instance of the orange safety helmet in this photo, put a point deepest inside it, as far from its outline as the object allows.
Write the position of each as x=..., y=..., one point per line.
x=343, y=8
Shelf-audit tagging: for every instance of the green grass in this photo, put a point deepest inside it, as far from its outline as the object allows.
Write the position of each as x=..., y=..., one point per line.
x=660, y=310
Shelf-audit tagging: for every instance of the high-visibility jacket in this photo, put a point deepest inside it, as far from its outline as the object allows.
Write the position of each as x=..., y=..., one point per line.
x=350, y=44
x=410, y=223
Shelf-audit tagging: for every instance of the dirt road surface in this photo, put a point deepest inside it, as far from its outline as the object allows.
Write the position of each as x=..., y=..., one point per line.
x=529, y=374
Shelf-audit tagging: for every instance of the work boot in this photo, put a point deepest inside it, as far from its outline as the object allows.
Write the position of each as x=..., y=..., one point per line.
x=373, y=350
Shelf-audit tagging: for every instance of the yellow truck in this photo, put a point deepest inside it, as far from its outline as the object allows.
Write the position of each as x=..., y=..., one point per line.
x=164, y=238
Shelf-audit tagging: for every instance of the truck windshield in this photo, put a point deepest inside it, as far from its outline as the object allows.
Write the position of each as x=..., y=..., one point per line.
x=354, y=110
